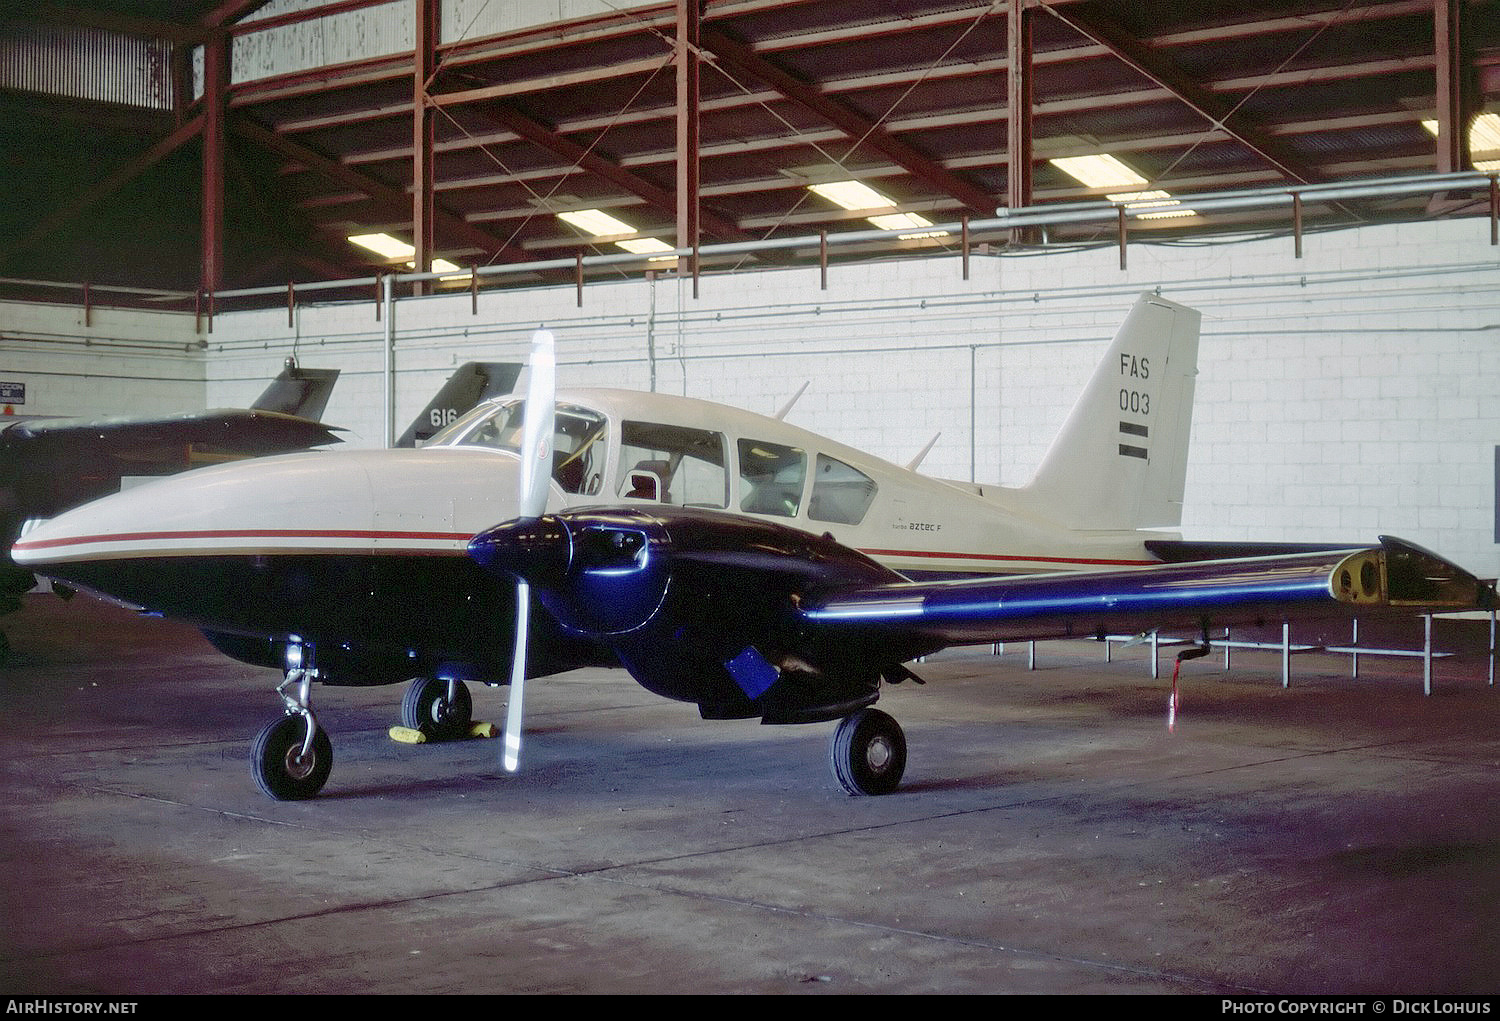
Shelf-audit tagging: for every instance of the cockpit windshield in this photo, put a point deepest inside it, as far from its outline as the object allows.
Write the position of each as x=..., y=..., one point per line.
x=578, y=443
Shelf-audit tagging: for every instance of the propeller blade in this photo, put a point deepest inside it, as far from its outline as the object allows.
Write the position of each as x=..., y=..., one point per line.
x=536, y=429
x=511, y=744
x=536, y=474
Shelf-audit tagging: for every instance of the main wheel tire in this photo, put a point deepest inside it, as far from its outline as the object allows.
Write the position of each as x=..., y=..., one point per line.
x=426, y=707
x=280, y=769
x=868, y=753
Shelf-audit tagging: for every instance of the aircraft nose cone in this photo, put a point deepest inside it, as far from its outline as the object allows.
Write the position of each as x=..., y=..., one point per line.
x=536, y=550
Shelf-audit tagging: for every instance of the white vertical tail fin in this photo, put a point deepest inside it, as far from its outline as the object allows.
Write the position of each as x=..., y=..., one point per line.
x=1120, y=460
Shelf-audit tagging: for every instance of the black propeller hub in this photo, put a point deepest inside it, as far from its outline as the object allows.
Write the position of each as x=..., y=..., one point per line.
x=598, y=573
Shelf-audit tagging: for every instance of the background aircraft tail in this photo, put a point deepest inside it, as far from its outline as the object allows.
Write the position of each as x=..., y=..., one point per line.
x=1120, y=460
x=471, y=383
x=298, y=391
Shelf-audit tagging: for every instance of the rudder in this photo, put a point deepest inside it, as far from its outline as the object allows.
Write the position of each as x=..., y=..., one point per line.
x=1120, y=460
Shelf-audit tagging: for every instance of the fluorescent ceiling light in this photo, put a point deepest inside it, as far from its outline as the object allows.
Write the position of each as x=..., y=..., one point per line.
x=1484, y=137
x=644, y=246
x=383, y=245
x=900, y=221
x=1104, y=171
x=909, y=222
x=1484, y=132
x=1099, y=171
x=852, y=195
x=596, y=222
x=388, y=247
x=855, y=195
x=1152, y=205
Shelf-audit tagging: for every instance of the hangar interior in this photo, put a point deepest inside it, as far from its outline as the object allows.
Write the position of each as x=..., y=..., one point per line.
x=188, y=175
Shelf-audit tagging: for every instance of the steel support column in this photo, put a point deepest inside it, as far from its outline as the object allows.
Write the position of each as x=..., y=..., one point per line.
x=1453, y=96
x=423, y=119
x=215, y=102
x=1018, y=108
x=689, y=33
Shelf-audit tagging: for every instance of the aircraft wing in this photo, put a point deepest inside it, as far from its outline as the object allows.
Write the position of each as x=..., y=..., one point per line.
x=248, y=432
x=749, y=618
x=57, y=463
x=1395, y=576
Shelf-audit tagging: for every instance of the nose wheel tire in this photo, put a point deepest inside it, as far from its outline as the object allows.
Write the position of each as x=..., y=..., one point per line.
x=281, y=770
x=868, y=753
x=427, y=707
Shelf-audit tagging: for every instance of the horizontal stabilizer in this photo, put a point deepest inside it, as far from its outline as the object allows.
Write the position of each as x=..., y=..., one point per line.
x=1178, y=551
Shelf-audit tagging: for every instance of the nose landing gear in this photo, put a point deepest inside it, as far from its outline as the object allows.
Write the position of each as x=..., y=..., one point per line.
x=292, y=757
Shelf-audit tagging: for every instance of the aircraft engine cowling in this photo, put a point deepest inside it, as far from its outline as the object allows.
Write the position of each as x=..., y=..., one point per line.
x=599, y=576
x=696, y=604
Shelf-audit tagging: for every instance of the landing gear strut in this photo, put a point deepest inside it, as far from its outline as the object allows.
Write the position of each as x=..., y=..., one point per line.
x=292, y=757
x=868, y=753
x=442, y=710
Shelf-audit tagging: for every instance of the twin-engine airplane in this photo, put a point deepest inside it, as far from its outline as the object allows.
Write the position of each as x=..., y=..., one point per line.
x=721, y=557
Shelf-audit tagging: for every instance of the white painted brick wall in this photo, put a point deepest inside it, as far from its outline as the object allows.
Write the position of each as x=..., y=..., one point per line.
x=120, y=362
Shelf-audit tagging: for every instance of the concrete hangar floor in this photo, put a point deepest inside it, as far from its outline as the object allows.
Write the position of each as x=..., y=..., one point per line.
x=1052, y=835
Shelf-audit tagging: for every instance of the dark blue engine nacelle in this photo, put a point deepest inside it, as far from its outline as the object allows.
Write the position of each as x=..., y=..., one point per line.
x=697, y=604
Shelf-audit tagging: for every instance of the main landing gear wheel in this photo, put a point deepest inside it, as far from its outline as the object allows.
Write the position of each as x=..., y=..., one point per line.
x=280, y=768
x=427, y=707
x=868, y=753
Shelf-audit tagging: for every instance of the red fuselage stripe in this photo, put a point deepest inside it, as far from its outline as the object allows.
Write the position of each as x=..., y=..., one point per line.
x=270, y=533
x=322, y=533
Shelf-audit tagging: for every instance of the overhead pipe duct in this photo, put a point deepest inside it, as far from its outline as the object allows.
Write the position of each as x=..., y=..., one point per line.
x=1032, y=216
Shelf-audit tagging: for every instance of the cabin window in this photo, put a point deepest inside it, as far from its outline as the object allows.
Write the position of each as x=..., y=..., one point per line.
x=578, y=441
x=771, y=478
x=840, y=494
x=673, y=464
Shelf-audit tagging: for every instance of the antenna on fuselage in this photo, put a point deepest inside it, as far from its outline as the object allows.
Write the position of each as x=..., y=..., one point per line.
x=788, y=405
x=912, y=465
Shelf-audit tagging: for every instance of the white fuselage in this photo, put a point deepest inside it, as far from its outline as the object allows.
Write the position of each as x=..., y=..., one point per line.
x=432, y=500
